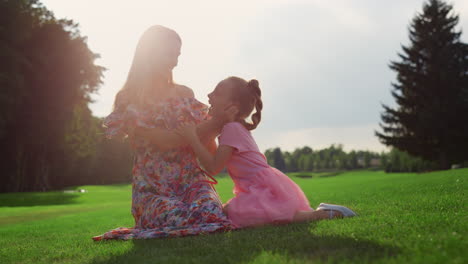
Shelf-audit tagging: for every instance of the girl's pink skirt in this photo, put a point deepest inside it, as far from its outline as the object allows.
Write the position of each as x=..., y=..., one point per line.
x=271, y=198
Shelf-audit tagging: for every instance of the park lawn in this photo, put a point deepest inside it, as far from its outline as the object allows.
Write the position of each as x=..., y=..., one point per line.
x=403, y=218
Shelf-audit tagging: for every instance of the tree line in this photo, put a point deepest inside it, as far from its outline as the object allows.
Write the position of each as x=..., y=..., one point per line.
x=331, y=158
x=334, y=158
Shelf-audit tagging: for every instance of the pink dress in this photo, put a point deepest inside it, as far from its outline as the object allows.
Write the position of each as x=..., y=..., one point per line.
x=263, y=195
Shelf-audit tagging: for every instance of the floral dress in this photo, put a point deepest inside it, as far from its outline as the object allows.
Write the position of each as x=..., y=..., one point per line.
x=171, y=194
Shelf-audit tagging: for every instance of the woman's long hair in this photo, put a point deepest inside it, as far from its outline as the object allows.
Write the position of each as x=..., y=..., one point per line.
x=148, y=76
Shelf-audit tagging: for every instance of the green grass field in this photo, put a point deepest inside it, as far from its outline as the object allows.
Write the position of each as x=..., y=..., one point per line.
x=403, y=218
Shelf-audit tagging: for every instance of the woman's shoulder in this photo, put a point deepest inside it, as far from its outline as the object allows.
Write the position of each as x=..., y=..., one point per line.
x=184, y=91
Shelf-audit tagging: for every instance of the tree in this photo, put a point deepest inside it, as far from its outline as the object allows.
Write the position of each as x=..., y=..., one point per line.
x=288, y=161
x=278, y=159
x=308, y=162
x=353, y=160
x=384, y=160
x=47, y=74
x=367, y=159
x=401, y=161
x=342, y=161
x=431, y=120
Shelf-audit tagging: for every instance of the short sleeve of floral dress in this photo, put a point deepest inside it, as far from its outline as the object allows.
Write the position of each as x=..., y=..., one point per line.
x=171, y=195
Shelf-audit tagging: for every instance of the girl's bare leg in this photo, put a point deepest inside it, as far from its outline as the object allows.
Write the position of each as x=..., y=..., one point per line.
x=307, y=216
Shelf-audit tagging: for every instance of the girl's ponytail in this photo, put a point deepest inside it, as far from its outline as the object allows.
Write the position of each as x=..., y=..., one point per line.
x=249, y=97
x=257, y=116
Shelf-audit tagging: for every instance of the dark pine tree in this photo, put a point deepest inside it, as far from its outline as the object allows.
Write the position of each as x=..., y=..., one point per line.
x=431, y=119
x=278, y=159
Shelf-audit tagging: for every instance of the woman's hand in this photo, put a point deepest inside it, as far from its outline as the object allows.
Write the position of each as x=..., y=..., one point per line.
x=187, y=131
x=230, y=113
x=212, y=162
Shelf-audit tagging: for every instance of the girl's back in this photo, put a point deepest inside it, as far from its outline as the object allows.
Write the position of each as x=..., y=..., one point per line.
x=246, y=159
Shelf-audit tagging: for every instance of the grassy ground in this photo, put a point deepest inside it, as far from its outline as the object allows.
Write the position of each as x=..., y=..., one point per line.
x=403, y=218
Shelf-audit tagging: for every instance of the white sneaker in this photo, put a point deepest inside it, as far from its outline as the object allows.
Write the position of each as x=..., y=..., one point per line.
x=343, y=210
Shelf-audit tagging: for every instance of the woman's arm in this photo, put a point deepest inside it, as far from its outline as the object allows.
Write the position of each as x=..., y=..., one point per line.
x=165, y=139
x=212, y=162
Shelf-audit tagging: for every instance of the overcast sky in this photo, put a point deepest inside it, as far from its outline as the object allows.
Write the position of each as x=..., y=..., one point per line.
x=322, y=64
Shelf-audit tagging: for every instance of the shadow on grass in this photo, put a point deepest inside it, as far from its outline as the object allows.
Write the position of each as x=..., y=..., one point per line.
x=303, y=175
x=36, y=198
x=267, y=244
x=309, y=175
x=331, y=174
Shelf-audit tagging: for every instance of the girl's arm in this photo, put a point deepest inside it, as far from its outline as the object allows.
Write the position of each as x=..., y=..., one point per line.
x=212, y=162
x=165, y=139
x=211, y=146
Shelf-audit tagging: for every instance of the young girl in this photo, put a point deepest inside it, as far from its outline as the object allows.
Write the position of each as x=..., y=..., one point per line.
x=263, y=195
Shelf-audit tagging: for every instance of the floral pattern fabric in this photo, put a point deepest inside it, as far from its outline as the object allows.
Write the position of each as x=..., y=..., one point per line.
x=171, y=194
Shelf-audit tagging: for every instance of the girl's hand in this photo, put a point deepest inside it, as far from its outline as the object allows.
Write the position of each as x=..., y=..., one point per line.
x=187, y=131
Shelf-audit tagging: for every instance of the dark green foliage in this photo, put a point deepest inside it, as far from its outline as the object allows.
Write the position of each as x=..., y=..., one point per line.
x=400, y=161
x=48, y=136
x=431, y=120
x=276, y=158
x=329, y=159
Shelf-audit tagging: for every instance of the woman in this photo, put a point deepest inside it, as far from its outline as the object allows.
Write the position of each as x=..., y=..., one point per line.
x=171, y=194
